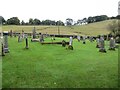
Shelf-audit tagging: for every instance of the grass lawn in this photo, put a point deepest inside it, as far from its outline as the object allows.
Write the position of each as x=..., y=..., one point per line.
x=53, y=66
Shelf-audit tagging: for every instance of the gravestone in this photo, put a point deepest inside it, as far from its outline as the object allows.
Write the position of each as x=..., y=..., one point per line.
x=5, y=36
x=84, y=38
x=98, y=43
x=19, y=38
x=23, y=35
x=102, y=45
x=70, y=44
x=78, y=38
x=91, y=39
x=26, y=41
x=112, y=44
x=11, y=33
x=54, y=37
x=41, y=38
x=34, y=33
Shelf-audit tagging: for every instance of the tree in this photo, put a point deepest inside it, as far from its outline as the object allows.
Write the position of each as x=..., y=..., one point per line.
x=13, y=21
x=60, y=23
x=69, y=21
x=2, y=20
x=22, y=23
x=31, y=21
x=36, y=21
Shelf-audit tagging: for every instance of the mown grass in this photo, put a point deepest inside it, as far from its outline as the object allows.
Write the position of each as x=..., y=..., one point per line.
x=54, y=66
x=90, y=29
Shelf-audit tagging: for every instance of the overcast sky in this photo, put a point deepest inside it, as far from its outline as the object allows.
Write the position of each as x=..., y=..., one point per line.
x=57, y=9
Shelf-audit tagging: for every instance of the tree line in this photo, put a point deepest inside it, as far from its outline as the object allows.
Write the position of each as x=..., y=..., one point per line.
x=68, y=22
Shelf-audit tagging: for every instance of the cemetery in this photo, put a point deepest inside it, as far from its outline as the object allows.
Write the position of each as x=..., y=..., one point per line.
x=48, y=61
x=35, y=59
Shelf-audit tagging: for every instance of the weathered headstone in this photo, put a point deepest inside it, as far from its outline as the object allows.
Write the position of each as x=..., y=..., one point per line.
x=102, y=45
x=34, y=33
x=112, y=44
x=78, y=38
x=5, y=35
x=41, y=38
x=70, y=44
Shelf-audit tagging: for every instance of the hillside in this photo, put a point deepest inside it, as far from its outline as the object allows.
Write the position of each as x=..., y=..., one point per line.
x=90, y=29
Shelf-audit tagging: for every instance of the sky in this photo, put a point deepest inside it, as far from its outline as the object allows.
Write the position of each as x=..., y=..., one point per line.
x=57, y=9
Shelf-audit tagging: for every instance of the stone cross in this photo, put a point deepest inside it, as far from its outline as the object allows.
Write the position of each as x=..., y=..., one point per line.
x=5, y=35
x=102, y=45
x=34, y=33
x=112, y=44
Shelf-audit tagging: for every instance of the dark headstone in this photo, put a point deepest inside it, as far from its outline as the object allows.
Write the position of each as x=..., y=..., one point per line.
x=11, y=33
x=26, y=41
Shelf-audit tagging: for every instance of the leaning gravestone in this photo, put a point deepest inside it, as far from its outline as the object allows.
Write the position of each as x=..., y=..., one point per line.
x=70, y=44
x=41, y=38
x=102, y=45
x=112, y=44
x=34, y=33
x=5, y=36
x=78, y=38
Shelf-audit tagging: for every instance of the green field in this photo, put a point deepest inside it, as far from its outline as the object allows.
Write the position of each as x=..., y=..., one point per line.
x=54, y=66
x=90, y=29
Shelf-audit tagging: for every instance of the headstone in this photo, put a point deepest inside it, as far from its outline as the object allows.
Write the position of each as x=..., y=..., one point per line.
x=71, y=41
x=41, y=38
x=84, y=38
x=70, y=44
x=11, y=33
x=19, y=38
x=102, y=45
x=54, y=37
x=112, y=44
x=23, y=35
x=78, y=38
x=34, y=33
x=91, y=39
x=5, y=35
x=26, y=40
x=98, y=43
